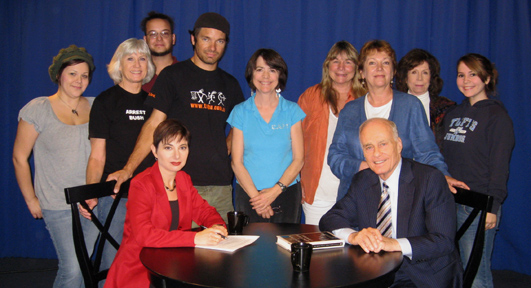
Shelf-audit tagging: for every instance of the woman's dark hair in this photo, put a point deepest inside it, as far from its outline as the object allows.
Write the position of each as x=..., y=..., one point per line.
x=168, y=130
x=72, y=63
x=484, y=68
x=273, y=60
x=413, y=59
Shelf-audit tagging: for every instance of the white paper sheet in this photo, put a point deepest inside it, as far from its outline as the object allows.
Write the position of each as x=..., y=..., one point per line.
x=232, y=243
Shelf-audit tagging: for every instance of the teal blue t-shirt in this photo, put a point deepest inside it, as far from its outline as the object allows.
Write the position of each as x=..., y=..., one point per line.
x=267, y=146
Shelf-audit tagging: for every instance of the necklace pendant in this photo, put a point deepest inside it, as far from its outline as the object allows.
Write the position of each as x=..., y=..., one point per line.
x=74, y=111
x=174, y=186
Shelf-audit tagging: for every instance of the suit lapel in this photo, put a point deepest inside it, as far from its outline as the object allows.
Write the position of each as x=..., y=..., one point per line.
x=374, y=193
x=406, y=193
x=184, y=212
x=161, y=197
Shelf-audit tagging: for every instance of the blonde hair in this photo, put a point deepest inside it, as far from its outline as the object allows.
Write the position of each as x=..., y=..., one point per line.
x=328, y=93
x=128, y=47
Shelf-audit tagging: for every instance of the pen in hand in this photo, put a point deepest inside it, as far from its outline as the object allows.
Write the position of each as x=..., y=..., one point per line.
x=222, y=236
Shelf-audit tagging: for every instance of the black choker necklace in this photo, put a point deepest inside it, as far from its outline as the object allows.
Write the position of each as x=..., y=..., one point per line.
x=168, y=188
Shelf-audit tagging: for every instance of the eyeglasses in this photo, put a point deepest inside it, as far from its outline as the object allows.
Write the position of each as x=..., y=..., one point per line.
x=164, y=34
x=277, y=209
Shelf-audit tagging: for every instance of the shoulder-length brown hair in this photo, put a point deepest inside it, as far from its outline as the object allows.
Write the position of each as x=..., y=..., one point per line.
x=413, y=59
x=484, y=68
x=328, y=93
x=273, y=60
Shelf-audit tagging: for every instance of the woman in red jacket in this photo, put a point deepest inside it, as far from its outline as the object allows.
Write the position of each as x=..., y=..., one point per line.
x=162, y=204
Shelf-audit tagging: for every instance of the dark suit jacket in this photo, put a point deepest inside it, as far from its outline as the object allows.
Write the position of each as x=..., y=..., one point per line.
x=426, y=217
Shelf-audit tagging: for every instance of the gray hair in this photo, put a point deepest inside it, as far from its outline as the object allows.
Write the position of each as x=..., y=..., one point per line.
x=389, y=123
x=128, y=47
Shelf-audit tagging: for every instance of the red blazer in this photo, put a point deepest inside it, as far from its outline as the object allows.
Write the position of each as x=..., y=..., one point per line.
x=148, y=220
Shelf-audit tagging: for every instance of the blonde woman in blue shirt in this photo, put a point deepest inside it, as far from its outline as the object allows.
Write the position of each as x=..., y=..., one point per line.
x=267, y=144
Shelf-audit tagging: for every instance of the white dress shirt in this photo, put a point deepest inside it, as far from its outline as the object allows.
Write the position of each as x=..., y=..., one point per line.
x=393, y=184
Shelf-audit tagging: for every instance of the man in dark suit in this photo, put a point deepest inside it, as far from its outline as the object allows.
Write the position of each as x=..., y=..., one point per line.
x=423, y=219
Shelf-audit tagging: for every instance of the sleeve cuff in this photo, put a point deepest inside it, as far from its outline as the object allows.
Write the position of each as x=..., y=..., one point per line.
x=406, y=247
x=343, y=233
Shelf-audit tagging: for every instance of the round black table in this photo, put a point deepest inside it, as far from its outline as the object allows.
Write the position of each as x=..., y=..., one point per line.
x=265, y=264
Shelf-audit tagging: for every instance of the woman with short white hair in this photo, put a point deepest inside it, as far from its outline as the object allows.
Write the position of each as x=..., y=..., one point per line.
x=116, y=119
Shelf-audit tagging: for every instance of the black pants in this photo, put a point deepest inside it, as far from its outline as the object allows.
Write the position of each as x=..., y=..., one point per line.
x=287, y=206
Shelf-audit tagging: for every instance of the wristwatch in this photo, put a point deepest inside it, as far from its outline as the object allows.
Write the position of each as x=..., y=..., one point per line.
x=282, y=186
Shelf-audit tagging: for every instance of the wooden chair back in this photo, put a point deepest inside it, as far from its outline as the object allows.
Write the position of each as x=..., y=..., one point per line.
x=480, y=203
x=90, y=264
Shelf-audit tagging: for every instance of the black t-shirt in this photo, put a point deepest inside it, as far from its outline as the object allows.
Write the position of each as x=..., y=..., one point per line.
x=202, y=101
x=117, y=116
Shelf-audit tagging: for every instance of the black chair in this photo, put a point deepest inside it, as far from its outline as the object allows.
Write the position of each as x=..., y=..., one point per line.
x=483, y=203
x=90, y=264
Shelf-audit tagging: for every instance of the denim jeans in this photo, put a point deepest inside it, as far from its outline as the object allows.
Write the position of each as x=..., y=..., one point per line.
x=484, y=275
x=59, y=224
x=116, y=230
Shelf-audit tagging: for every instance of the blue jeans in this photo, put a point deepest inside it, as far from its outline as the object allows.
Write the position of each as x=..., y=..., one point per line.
x=116, y=230
x=59, y=224
x=484, y=276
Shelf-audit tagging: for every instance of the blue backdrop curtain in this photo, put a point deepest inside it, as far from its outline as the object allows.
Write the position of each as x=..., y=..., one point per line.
x=33, y=31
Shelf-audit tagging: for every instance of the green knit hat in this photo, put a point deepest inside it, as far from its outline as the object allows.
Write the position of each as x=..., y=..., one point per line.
x=67, y=54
